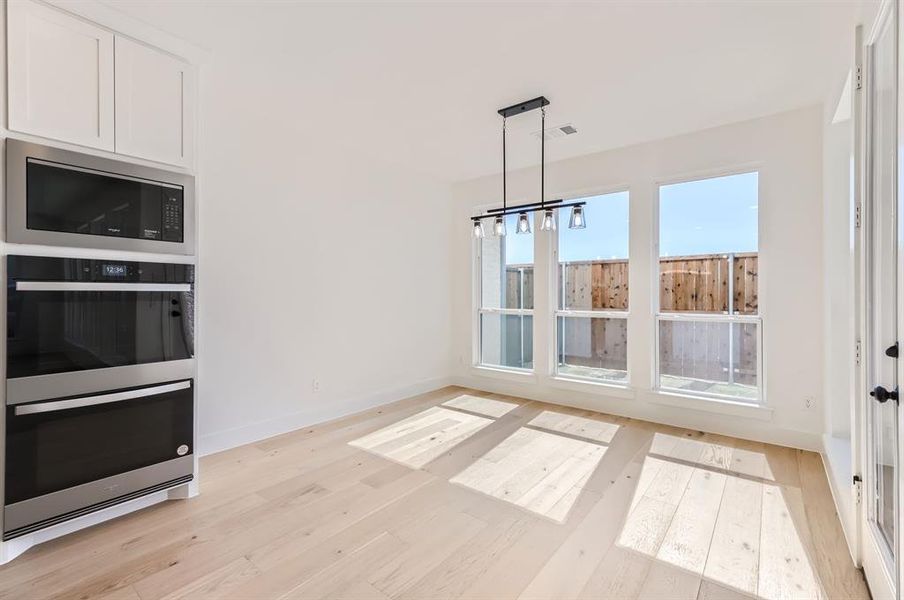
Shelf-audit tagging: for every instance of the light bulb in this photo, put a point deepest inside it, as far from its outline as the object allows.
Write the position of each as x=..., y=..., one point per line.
x=549, y=221
x=577, y=218
x=499, y=226
x=478, y=229
x=523, y=223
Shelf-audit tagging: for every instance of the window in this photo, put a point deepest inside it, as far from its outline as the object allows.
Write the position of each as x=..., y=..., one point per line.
x=592, y=308
x=506, y=298
x=708, y=328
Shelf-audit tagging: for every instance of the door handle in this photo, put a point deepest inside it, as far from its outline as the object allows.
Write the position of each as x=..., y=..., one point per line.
x=99, y=286
x=882, y=395
x=43, y=407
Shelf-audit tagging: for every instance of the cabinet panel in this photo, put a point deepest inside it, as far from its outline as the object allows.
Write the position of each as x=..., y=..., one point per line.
x=154, y=99
x=60, y=75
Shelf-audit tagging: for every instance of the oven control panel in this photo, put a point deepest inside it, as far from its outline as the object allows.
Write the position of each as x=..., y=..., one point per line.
x=45, y=268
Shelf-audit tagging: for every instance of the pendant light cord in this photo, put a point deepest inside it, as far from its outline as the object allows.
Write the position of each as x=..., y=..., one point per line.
x=503, y=163
x=542, y=156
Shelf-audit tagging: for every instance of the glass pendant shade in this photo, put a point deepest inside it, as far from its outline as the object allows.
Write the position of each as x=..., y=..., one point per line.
x=577, y=218
x=499, y=226
x=478, y=229
x=549, y=221
x=523, y=223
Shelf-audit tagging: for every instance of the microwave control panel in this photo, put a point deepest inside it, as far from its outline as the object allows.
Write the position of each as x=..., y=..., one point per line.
x=172, y=217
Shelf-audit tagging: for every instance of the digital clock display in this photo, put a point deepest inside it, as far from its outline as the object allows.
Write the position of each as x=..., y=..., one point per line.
x=114, y=270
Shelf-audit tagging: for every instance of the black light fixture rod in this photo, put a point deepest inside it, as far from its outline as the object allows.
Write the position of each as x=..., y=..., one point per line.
x=490, y=211
x=520, y=209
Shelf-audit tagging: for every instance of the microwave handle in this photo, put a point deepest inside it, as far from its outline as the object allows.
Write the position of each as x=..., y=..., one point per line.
x=43, y=407
x=99, y=286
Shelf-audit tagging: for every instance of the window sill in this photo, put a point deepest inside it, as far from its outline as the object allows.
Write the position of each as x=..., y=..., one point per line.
x=520, y=376
x=725, y=407
x=602, y=388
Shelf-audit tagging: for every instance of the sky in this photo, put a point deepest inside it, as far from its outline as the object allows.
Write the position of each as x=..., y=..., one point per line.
x=708, y=216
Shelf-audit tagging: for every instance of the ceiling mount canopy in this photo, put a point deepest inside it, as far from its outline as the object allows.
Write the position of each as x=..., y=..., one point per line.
x=548, y=222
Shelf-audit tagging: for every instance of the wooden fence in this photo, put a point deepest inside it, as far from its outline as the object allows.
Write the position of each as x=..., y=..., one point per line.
x=687, y=284
x=717, y=283
x=713, y=283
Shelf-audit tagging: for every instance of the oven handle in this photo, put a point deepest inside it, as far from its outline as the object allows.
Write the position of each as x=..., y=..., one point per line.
x=43, y=407
x=99, y=286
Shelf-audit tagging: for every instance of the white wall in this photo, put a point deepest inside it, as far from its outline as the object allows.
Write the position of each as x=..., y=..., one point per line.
x=839, y=291
x=787, y=151
x=316, y=263
x=838, y=243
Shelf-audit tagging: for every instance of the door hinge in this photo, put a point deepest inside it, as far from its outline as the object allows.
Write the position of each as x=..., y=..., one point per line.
x=859, y=77
x=858, y=352
x=858, y=489
x=857, y=216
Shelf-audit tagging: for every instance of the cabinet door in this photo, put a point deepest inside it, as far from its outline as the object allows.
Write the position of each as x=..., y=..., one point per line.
x=60, y=75
x=154, y=100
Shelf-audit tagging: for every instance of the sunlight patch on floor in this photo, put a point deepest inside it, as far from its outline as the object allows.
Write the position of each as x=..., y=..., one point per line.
x=714, y=512
x=540, y=471
x=419, y=439
x=590, y=429
x=482, y=406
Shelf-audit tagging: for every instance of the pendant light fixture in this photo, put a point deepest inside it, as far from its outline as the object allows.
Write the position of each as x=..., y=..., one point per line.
x=577, y=218
x=499, y=221
x=549, y=221
x=499, y=226
x=548, y=209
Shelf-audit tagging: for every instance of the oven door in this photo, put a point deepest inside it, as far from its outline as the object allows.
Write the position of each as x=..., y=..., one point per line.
x=66, y=457
x=70, y=337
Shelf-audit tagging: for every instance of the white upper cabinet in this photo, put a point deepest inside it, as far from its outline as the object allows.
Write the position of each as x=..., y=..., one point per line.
x=154, y=100
x=60, y=76
x=74, y=81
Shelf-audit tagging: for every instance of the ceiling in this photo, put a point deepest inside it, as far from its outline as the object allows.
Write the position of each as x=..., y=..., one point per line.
x=419, y=84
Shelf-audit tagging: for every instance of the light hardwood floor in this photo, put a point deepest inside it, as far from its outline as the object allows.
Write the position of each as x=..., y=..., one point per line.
x=482, y=496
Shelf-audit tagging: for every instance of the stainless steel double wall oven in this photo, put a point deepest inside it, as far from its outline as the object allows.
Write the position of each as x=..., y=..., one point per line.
x=99, y=352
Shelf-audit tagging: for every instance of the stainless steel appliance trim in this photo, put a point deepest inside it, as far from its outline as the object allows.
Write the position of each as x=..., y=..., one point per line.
x=19, y=152
x=44, y=407
x=33, y=510
x=99, y=286
x=58, y=165
x=20, y=390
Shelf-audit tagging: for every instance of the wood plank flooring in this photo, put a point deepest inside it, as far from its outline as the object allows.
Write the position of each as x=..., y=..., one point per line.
x=461, y=494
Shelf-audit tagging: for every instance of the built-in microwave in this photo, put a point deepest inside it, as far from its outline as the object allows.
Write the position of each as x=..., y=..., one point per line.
x=61, y=198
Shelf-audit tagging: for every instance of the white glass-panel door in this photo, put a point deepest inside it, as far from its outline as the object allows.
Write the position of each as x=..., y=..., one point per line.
x=882, y=469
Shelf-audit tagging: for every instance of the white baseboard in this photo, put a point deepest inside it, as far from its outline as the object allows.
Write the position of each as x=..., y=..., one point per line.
x=253, y=432
x=637, y=408
x=836, y=459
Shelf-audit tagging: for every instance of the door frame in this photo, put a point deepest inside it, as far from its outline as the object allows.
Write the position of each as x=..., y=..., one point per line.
x=883, y=582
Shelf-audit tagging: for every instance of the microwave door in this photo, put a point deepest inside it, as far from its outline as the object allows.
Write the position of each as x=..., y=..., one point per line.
x=62, y=198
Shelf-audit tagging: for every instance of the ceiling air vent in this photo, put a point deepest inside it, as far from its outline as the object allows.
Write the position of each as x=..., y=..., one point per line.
x=554, y=133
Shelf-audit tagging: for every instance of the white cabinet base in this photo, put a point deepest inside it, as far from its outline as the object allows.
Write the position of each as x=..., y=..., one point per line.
x=11, y=549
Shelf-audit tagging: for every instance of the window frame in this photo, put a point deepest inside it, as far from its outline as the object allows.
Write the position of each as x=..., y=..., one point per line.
x=556, y=312
x=690, y=316
x=478, y=310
